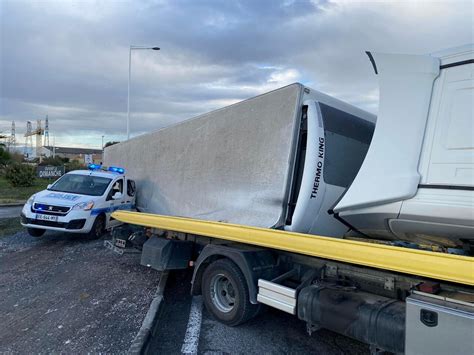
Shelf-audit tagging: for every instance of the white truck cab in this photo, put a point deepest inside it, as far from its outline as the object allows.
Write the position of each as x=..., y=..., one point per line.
x=80, y=201
x=416, y=183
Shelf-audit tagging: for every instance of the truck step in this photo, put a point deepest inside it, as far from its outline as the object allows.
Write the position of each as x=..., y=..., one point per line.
x=277, y=296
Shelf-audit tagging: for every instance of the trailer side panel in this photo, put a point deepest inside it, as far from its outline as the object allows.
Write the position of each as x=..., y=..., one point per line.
x=230, y=165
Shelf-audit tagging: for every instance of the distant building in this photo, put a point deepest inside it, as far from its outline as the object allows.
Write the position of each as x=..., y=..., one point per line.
x=82, y=155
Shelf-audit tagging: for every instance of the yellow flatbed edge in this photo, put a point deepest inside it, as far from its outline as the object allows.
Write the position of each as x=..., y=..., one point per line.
x=439, y=266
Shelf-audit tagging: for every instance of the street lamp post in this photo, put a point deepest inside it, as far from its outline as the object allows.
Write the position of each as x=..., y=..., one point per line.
x=102, y=155
x=129, y=77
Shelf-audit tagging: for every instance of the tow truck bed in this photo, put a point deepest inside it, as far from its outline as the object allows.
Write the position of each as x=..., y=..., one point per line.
x=435, y=265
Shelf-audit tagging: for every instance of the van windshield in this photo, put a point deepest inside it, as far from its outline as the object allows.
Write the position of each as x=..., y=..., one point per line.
x=81, y=184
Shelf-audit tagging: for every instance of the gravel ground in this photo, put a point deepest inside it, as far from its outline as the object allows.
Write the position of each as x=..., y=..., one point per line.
x=60, y=293
x=63, y=294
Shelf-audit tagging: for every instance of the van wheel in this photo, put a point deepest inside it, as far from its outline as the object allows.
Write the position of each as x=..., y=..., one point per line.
x=225, y=293
x=35, y=232
x=98, y=228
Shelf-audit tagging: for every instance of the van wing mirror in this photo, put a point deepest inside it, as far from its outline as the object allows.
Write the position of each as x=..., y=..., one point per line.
x=117, y=195
x=49, y=186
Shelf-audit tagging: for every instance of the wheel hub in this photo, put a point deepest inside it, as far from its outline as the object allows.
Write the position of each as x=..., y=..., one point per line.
x=222, y=293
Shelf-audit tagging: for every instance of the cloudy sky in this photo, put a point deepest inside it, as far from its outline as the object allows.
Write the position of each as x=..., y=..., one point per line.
x=69, y=59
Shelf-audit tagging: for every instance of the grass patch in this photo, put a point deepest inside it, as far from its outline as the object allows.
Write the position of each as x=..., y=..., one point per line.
x=9, y=194
x=10, y=226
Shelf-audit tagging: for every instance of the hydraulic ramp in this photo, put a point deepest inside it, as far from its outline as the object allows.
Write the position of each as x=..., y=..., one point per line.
x=439, y=266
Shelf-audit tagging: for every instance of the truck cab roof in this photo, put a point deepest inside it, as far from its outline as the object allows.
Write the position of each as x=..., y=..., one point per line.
x=454, y=54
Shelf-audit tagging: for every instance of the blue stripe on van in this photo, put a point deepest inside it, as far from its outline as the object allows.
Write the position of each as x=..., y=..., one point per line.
x=96, y=211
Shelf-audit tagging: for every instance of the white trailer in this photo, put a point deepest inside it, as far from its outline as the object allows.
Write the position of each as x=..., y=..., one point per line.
x=278, y=160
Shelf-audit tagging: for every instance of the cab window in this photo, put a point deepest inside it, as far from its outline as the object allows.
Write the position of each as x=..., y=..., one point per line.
x=347, y=139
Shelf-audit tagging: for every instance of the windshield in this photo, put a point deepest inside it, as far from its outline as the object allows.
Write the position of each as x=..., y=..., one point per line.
x=81, y=184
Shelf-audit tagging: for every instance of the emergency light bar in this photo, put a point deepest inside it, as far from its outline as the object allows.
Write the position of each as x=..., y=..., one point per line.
x=95, y=166
x=114, y=169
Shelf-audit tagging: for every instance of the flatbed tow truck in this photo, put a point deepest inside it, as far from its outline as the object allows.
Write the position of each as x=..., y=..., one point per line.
x=295, y=200
x=396, y=299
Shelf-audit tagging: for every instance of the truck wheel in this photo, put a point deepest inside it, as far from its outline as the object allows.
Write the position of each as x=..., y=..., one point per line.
x=35, y=232
x=98, y=228
x=225, y=293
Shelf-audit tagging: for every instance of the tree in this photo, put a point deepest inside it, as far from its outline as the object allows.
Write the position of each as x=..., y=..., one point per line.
x=108, y=144
x=17, y=157
x=56, y=161
x=20, y=175
x=5, y=156
x=75, y=165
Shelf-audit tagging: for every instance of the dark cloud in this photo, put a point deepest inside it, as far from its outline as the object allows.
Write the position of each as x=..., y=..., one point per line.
x=70, y=59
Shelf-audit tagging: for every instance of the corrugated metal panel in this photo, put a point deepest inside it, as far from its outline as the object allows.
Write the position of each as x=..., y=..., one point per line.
x=229, y=165
x=438, y=266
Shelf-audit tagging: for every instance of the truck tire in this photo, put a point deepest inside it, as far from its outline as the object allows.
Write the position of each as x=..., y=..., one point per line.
x=35, y=232
x=98, y=228
x=225, y=293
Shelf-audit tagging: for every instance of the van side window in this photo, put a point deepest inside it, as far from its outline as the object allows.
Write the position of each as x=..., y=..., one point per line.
x=347, y=139
x=116, y=187
x=131, y=188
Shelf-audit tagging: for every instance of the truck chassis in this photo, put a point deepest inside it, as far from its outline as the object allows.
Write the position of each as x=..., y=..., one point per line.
x=390, y=310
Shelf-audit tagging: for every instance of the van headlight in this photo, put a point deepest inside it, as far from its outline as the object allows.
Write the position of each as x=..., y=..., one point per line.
x=86, y=206
x=31, y=200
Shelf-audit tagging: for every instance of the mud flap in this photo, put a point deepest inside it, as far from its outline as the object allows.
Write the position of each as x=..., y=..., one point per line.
x=166, y=254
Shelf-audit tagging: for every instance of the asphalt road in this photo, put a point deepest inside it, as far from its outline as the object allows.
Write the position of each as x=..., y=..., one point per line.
x=62, y=294
x=180, y=330
x=10, y=211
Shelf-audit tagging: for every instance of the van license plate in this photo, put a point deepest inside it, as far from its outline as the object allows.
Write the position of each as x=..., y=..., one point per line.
x=46, y=217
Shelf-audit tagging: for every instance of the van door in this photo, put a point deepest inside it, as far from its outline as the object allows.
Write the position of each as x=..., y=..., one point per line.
x=115, y=204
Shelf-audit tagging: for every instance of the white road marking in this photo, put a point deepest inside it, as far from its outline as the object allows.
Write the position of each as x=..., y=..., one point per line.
x=191, y=338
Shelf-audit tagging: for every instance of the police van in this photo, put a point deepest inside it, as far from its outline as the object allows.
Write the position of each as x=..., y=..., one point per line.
x=80, y=201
